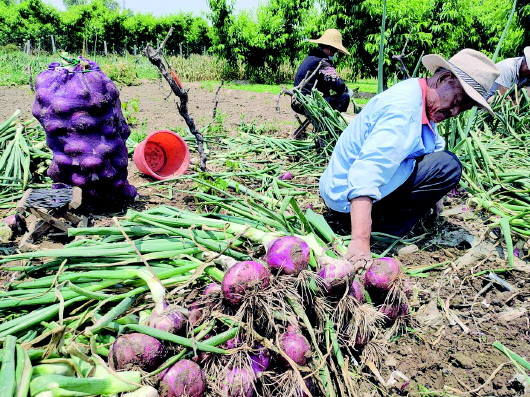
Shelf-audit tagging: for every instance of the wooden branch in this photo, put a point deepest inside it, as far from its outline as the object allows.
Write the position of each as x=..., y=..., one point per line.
x=216, y=99
x=163, y=44
x=299, y=86
x=401, y=57
x=155, y=58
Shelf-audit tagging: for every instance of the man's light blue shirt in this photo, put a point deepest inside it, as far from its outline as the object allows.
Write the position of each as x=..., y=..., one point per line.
x=376, y=153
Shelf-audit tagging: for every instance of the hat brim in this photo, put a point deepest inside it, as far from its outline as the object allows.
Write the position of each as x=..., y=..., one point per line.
x=526, y=52
x=434, y=61
x=338, y=47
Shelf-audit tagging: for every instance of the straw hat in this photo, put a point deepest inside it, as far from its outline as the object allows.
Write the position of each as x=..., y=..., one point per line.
x=526, y=52
x=333, y=38
x=474, y=70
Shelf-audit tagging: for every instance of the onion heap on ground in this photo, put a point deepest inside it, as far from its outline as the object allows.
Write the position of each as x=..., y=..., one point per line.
x=231, y=308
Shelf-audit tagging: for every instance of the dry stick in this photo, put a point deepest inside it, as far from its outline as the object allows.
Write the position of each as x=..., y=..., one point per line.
x=216, y=99
x=299, y=86
x=402, y=56
x=155, y=58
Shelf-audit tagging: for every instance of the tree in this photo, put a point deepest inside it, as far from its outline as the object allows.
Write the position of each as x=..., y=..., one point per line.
x=71, y=3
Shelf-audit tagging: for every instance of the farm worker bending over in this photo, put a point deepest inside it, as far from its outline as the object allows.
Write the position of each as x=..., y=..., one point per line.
x=326, y=78
x=512, y=71
x=389, y=166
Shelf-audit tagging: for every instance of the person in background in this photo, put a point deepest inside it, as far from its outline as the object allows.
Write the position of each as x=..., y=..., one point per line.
x=389, y=166
x=326, y=80
x=513, y=71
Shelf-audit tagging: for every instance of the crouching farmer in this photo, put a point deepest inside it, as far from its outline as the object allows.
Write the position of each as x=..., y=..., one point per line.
x=389, y=166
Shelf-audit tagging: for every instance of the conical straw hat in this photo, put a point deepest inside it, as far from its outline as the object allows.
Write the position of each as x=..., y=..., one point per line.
x=474, y=70
x=333, y=38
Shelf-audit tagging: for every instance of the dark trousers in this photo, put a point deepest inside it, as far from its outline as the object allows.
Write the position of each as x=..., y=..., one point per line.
x=434, y=175
x=338, y=102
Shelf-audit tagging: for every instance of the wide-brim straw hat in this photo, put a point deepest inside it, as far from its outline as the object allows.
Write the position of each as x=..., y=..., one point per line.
x=333, y=38
x=474, y=70
x=526, y=53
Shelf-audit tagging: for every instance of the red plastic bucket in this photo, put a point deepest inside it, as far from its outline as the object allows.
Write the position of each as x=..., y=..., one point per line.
x=162, y=155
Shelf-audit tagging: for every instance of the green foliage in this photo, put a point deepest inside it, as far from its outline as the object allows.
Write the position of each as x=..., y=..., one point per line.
x=121, y=72
x=130, y=111
x=267, y=45
x=426, y=26
x=263, y=41
x=86, y=25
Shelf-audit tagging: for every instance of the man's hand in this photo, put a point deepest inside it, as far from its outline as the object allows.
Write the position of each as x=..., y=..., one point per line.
x=358, y=253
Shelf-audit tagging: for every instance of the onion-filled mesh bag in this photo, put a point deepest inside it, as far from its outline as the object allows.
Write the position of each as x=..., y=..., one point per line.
x=79, y=108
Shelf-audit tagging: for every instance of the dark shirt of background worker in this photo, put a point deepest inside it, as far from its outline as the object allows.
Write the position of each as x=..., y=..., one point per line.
x=326, y=78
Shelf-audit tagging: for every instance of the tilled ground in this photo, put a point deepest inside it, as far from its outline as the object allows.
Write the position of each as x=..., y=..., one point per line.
x=446, y=348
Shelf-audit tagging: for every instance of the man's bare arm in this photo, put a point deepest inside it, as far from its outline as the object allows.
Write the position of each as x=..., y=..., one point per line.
x=361, y=224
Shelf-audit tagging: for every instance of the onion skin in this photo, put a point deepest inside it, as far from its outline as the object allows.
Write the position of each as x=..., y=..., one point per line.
x=136, y=350
x=184, y=378
x=381, y=274
x=288, y=254
x=243, y=277
x=296, y=346
x=239, y=383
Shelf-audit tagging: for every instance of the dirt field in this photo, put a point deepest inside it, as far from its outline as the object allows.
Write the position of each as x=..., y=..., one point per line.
x=448, y=347
x=157, y=107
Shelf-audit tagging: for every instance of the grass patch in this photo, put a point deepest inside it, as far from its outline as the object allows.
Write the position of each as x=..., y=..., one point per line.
x=365, y=85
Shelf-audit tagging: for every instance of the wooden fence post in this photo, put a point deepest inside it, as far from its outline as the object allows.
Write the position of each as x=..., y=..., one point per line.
x=180, y=49
x=105, y=46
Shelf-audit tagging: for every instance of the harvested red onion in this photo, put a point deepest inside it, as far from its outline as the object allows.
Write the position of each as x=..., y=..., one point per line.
x=170, y=320
x=296, y=346
x=361, y=340
x=239, y=383
x=184, y=378
x=288, y=254
x=381, y=274
x=212, y=288
x=136, y=350
x=357, y=291
x=260, y=361
x=287, y=176
x=334, y=273
x=196, y=308
x=393, y=311
x=243, y=277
